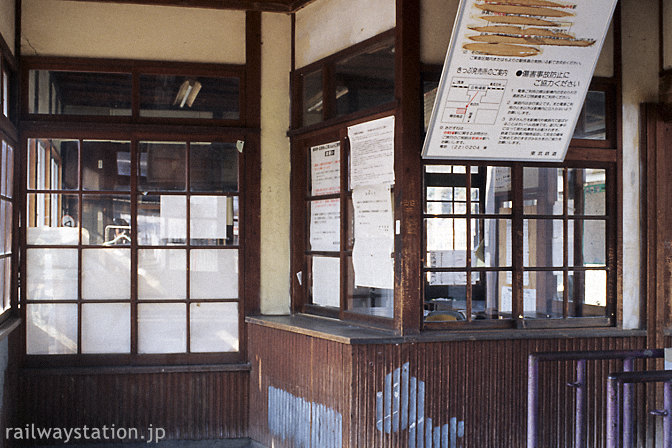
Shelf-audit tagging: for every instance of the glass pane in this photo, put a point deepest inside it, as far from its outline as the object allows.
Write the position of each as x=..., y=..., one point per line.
x=51, y=329
x=587, y=191
x=179, y=96
x=79, y=93
x=542, y=191
x=325, y=169
x=9, y=172
x=592, y=123
x=3, y=167
x=213, y=327
x=312, y=98
x=4, y=277
x=106, y=165
x=590, y=240
x=365, y=79
x=446, y=242
x=368, y=300
x=543, y=295
x=106, y=328
x=53, y=164
x=162, y=274
x=162, y=220
x=542, y=242
x=497, y=193
x=8, y=282
x=52, y=274
x=106, y=220
x=446, y=296
x=214, y=167
x=53, y=219
x=5, y=93
x=325, y=281
x=213, y=274
x=162, y=327
x=8, y=229
x=106, y=274
x=491, y=243
x=325, y=225
x=162, y=166
x=211, y=220
x=588, y=293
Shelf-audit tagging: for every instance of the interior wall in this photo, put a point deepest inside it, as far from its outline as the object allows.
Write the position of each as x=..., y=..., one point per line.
x=7, y=22
x=437, y=18
x=327, y=26
x=275, y=162
x=84, y=29
x=640, y=84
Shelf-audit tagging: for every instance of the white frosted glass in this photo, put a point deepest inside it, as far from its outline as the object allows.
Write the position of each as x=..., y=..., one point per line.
x=162, y=274
x=106, y=274
x=54, y=235
x=8, y=227
x=173, y=218
x=162, y=328
x=51, y=329
x=4, y=302
x=3, y=182
x=214, y=327
x=326, y=284
x=9, y=191
x=52, y=274
x=8, y=282
x=208, y=217
x=214, y=274
x=106, y=328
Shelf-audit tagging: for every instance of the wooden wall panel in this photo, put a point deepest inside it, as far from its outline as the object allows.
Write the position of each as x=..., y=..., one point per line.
x=188, y=405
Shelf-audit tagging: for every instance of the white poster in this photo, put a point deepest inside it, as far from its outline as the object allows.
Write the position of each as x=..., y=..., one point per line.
x=515, y=78
x=374, y=237
x=326, y=281
x=325, y=169
x=372, y=152
x=325, y=225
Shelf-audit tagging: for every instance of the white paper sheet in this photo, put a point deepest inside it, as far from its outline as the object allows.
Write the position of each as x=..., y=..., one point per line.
x=373, y=263
x=208, y=217
x=326, y=281
x=325, y=225
x=372, y=152
x=325, y=169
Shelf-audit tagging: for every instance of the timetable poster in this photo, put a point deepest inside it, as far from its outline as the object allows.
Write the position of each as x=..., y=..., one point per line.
x=515, y=78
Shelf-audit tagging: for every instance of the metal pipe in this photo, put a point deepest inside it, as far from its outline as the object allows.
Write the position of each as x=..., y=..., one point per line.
x=532, y=400
x=581, y=405
x=667, y=419
x=628, y=420
x=612, y=413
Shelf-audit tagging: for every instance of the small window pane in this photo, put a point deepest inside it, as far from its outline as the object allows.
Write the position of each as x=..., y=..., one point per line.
x=162, y=327
x=8, y=282
x=588, y=293
x=9, y=172
x=105, y=165
x=79, y=93
x=214, y=327
x=51, y=329
x=365, y=79
x=162, y=274
x=592, y=123
x=213, y=274
x=211, y=220
x=543, y=294
x=162, y=220
x=6, y=208
x=58, y=222
x=164, y=166
x=446, y=242
x=106, y=328
x=53, y=164
x=312, y=98
x=325, y=281
x=106, y=274
x=5, y=93
x=368, y=300
x=214, y=167
x=200, y=97
x=106, y=220
x=590, y=239
x=491, y=243
x=542, y=191
x=325, y=225
x=497, y=193
x=587, y=192
x=52, y=274
x=542, y=243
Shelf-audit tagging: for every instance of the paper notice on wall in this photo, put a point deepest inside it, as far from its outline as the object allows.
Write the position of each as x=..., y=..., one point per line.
x=529, y=300
x=325, y=169
x=515, y=78
x=326, y=287
x=372, y=152
x=325, y=225
x=374, y=237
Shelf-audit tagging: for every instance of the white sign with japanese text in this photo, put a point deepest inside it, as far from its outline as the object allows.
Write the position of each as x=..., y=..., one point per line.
x=515, y=78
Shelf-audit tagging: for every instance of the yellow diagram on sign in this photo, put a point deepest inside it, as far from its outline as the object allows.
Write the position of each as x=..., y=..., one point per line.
x=521, y=28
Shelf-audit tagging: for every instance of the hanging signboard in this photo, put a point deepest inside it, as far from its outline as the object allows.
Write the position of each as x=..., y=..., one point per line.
x=515, y=78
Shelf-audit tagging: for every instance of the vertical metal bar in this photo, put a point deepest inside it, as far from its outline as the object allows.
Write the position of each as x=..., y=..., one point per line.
x=667, y=419
x=628, y=420
x=580, y=422
x=532, y=400
x=612, y=413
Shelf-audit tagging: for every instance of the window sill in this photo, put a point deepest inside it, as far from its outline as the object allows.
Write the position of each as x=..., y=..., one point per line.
x=8, y=326
x=130, y=370
x=349, y=333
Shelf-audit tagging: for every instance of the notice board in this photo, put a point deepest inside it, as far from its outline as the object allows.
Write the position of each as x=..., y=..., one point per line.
x=515, y=78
